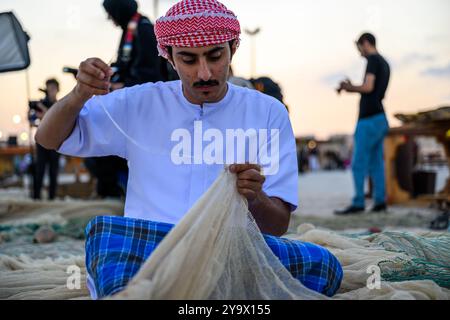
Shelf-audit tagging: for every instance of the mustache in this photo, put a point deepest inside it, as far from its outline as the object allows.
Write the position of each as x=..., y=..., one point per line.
x=208, y=83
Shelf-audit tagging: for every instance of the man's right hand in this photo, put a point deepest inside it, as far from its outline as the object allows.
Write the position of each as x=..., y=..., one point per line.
x=93, y=78
x=342, y=85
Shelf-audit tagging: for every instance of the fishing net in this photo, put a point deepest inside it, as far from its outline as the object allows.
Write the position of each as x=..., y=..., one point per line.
x=20, y=219
x=31, y=270
x=25, y=278
x=40, y=271
x=215, y=252
x=427, y=258
x=359, y=254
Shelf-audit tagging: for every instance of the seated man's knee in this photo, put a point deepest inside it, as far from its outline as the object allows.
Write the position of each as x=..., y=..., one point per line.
x=332, y=272
x=314, y=266
x=322, y=272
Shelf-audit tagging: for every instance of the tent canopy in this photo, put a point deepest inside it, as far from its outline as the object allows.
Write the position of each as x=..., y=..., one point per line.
x=14, y=53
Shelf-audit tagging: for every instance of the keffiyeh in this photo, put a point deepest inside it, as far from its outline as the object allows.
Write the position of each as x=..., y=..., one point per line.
x=196, y=23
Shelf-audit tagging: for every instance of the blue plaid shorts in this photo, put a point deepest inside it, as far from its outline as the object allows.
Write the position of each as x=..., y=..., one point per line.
x=116, y=247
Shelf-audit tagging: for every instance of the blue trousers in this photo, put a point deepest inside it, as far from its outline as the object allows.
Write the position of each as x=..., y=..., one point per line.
x=368, y=158
x=116, y=247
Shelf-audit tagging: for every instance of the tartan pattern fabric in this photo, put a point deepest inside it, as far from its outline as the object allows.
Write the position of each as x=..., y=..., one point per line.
x=116, y=247
x=196, y=23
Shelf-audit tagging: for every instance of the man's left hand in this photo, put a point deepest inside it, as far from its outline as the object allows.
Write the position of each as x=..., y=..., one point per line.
x=249, y=180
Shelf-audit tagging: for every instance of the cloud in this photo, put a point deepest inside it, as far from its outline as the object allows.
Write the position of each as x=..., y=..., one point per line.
x=437, y=72
x=411, y=59
x=333, y=79
x=415, y=57
x=437, y=38
x=354, y=72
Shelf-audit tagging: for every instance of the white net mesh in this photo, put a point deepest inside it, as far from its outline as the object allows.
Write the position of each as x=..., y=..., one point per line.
x=215, y=252
x=41, y=271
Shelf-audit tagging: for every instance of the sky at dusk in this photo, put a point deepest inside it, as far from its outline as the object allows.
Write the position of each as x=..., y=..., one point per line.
x=307, y=46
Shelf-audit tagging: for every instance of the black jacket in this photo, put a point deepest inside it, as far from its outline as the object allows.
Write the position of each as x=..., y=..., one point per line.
x=46, y=102
x=145, y=64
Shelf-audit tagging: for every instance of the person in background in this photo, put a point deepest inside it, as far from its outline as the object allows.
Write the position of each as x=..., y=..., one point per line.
x=371, y=128
x=45, y=157
x=137, y=62
x=239, y=81
x=267, y=86
x=137, y=57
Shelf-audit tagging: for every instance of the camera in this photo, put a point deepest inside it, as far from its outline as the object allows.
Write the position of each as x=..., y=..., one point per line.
x=32, y=116
x=114, y=78
x=33, y=105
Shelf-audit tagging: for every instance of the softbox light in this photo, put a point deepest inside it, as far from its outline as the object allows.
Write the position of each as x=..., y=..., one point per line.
x=14, y=53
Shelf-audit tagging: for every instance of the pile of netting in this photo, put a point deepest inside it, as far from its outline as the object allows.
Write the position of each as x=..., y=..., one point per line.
x=25, y=278
x=359, y=256
x=21, y=219
x=427, y=257
x=32, y=270
x=217, y=252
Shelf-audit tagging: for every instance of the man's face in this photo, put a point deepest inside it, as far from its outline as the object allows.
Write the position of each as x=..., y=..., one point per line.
x=363, y=48
x=203, y=71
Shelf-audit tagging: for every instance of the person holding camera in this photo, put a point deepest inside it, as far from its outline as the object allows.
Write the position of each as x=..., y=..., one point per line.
x=137, y=63
x=137, y=57
x=45, y=157
x=371, y=128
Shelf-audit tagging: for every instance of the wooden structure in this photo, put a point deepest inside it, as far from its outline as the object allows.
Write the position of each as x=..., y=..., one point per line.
x=74, y=166
x=7, y=157
x=434, y=123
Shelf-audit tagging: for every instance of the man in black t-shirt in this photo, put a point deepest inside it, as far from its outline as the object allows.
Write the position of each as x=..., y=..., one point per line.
x=371, y=128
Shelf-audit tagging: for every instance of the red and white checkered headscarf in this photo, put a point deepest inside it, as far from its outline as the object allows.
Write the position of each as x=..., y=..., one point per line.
x=196, y=23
